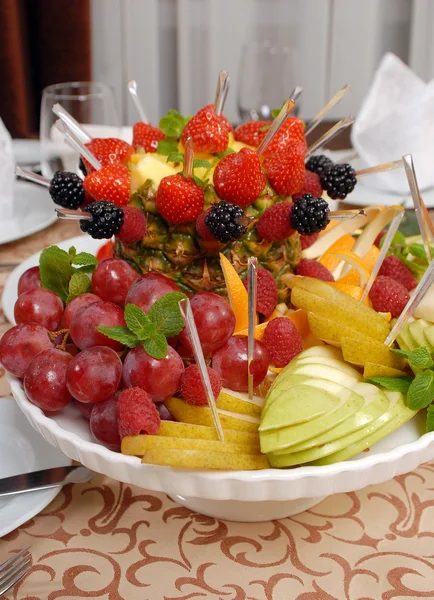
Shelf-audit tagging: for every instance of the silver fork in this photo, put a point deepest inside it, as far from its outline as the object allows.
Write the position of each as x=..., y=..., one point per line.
x=14, y=569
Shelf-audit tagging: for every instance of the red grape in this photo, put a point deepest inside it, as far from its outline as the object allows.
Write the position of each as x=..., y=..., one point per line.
x=104, y=422
x=112, y=279
x=29, y=280
x=85, y=409
x=230, y=362
x=97, y=314
x=39, y=306
x=165, y=415
x=74, y=305
x=148, y=288
x=20, y=345
x=45, y=380
x=94, y=374
x=215, y=323
x=159, y=377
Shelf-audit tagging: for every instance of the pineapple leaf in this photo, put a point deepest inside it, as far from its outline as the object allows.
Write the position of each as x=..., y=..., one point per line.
x=166, y=316
x=138, y=322
x=120, y=334
x=167, y=146
x=156, y=346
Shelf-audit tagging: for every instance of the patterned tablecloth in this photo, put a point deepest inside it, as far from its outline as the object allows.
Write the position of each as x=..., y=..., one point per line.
x=108, y=540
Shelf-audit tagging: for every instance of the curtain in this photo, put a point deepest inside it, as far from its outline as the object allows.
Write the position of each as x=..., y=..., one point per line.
x=41, y=42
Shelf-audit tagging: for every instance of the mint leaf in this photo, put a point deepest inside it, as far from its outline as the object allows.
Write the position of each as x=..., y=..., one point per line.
x=417, y=269
x=421, y=391
x=265, y=127
x=166, y=315
x=55, y=270
x=78, y=284
x=225, y=153
x=397, y=244
x=199, y=162
x=138, y=322
x=120, y=334
x=167, y=146
x=421, y=358
x=405, y=353
x=430, y=418
x=156, y=346
x=418, y=251
x=198, y=181
x=72, y=252
x=173, y=124
x=84, y=258
x=396, y=384
x=175, y=157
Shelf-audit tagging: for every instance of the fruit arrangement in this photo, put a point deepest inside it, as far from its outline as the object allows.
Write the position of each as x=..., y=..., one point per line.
x=192, y=204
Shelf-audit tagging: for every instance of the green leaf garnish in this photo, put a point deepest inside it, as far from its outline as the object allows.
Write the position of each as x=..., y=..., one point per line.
x=167, y=146
x=430, y=418
x=78, y=284
x=173, y=124
x=396, y=384
x=225, y=153
x=156, y=346
x=201, y=163
x=166, y=315
x=120, y=334
x=56, y=270
x=138, y=322
x=175, y=157
x=84, y=259
x=421, y=391
x=420, y=358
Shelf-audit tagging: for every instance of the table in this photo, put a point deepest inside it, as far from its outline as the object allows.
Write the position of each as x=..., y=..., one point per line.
x=108, y=540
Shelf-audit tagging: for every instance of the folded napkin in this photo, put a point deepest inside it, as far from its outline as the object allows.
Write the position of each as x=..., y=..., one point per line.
x=396, y=118
x=7, y=174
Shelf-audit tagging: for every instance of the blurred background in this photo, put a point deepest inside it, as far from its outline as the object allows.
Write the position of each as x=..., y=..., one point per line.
x=175, y=48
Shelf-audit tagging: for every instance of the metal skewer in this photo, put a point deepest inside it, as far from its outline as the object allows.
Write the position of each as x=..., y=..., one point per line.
x=132, y=88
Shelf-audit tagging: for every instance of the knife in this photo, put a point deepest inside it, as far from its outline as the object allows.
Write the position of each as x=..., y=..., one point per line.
x=43, y=480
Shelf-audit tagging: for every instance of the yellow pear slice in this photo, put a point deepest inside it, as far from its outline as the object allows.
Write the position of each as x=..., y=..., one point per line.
x=339, y=307
x=323, y=243
x=330, y=331
x=239, y=402
x=201, y=415
x=137, y=445
x=202, y=432
x=198, y=459
x=359, y=351
x=375, y=370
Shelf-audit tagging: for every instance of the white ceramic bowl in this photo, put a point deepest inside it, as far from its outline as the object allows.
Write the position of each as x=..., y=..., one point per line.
x=235, y=495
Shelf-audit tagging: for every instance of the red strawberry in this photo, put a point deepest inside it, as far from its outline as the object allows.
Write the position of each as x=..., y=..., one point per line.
x=111, y=182
x=223, y=120
x=275, y=223
x=109, y=151
x=312, y=185
x=290, y=134
x=266, y=292
x=312, y=268
x=146, y=136
x=306, y=241
x=179, y=199
x=388, y=295
x=208, y=131
x=134, y=227
x=238, y=177
x=252, y=132
x=285, y=170
x=393, y=267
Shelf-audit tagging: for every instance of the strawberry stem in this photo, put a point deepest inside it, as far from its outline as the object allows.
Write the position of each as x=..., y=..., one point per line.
x=286, y=110
x=221, y=92
x=188, y=158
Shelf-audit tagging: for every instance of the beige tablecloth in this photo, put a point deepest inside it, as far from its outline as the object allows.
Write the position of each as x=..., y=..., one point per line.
x=108, y=540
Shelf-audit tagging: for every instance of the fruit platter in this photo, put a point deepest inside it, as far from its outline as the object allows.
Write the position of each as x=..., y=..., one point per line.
x=219, y=333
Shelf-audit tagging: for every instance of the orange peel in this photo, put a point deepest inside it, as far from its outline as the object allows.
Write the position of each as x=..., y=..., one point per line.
x=237, y=294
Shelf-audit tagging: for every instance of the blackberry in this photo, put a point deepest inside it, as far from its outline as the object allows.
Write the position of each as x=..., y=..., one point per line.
x=339, y=181
x=309, y=214
x=66, y=189
x=82, y=167
x=319, y=164
x=107, y=220
x=223, y=221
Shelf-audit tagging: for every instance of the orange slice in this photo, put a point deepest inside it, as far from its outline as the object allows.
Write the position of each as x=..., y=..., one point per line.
x=343, y=244
x=237, y=293
x=359, y=274
x=370, y=257
x=259, y=331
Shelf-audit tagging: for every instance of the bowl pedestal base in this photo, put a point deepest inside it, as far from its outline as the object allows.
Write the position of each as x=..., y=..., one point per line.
x=247, y=512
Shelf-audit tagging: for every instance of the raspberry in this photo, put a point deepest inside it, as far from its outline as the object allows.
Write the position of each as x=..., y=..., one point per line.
x=137, y=413
x=306, y=241
x=192, y=388
x=312, y=185
x=203, y=229
x=275, y=223
x=134, y=227
x=379, y=238
x=388, y=295
x=266, y=292
x=282, y=341
x=312, y=268
x=393, y=267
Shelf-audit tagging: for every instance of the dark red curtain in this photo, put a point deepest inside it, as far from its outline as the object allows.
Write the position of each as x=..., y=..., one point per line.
x=41, y=42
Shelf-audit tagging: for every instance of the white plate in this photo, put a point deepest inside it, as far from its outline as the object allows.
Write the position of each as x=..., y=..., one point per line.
x=33, y=210
x=22, y=450
x=83, y=243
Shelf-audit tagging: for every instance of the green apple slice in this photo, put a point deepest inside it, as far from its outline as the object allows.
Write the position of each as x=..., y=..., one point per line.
x=277, y=439
x=416, y=330
x=425, y=308
x=323, y=351
x=358, y=352
x=329, y=302
x=375, y=404
x=401, y=416
x=318, y=455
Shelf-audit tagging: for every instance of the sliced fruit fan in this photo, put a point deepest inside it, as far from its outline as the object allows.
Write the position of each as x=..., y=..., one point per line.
x=190, y=203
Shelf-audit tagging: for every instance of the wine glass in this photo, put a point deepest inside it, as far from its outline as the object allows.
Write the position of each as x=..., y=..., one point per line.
x=267, y=76
x=91, y=103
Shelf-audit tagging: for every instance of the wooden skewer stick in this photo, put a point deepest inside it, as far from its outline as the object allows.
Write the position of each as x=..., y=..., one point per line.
x=132, y=88
x=72, y=124
x=330, y=104
x=285, y=111
x=188, y=157
x=344, y=215
x=221, y=92
x=296, y=93
x=330, y=134
x=389, y=166
x=252, y=283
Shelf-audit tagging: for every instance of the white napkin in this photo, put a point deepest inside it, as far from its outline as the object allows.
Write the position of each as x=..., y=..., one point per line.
x=396, y=118
x=7, y=173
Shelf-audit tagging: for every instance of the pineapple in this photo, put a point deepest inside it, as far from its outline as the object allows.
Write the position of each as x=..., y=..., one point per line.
x=179, y=253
